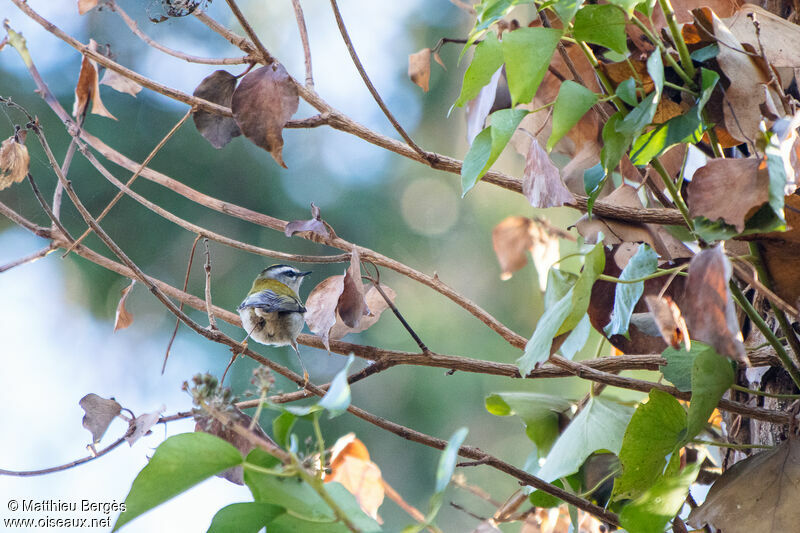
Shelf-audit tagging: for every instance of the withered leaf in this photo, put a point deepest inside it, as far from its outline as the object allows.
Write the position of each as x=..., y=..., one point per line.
x=352, y=305
x=419, y=68
x=14, y=161
x=779, y=37
x=314, y=225
x=351, y=466
x=780, y=251
x=514, y=237
x=729, y=189
x=100, y=412
x=708, y=305
x=208, y=424
x=88, y=88
x=321, y=307
x=756, y=494
x=262, y=104
x=217, y=88
x=438, y=59
x=541, y=182
x=376, y=305
x=140, y=426
x=477, y=109
x=120, y=83
x=123, y=317
x=669, y=320
x=84, y=6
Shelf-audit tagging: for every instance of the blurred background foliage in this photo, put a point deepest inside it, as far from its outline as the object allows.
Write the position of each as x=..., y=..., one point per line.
x=371, y=197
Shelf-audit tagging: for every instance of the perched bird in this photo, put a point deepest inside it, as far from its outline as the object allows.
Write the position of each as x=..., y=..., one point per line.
x=272, y=312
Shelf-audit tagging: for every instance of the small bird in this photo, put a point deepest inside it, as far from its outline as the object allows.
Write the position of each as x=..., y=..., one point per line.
x=272, y=312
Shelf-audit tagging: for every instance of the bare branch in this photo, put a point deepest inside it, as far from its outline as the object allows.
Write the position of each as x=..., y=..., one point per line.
x=61, y=468
x=301, y=26
x=212, y=322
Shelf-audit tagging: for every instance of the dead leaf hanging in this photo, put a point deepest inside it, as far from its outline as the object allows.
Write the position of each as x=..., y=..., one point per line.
x=123, y=317
x=84, y=6
x=419, y=68
x=14, y=160
x=352, y=305
x=708, y=305
x=217, y=129
x=669, y=320
x=120, y=83
x=541, y=182
x=100, y=412
x=376, y=305
x=88, y=88
x=262, y=104
x=351, y=466
x=742, y=183
x=514, y=237
x=321, y=307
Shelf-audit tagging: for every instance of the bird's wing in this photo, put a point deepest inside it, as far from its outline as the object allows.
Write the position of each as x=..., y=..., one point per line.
x=271, y=302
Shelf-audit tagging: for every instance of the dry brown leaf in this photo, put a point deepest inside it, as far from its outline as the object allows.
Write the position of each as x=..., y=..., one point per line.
x=376, y=305
x=708, y=305
x=84, y=6
x=120, y=83
x=744, y=96
x=123, y=317
x=262, y=104
x=140, y=426
x=756, y=494
x=321, y=307
x=616, y=232
x=779, y=37
x=541, y=181
x=208, y=424
x=315, y=225
x=100, y=412
x=742, y=183
x=351, y=466
x=619, y=72
x=669, y=320
x=14, y=160
x=477, y=109
x=668, y=109
x=88, y=88
x=780, y=251
x=352, y=305
x=514, y=237
x=218, y=88
x=438, y=59
x=419, y=68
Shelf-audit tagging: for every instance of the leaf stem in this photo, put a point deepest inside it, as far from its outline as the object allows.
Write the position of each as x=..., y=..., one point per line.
x=780, y=351
x=766, y=394
x=670, y=60
x=732, y=446
x=320, y=444
x=658, y=274
x=674, y=192
x=677, y=38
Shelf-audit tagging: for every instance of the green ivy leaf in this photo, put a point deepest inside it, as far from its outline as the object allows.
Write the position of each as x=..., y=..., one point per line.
x=712, y=375
x=488, y=145
x=337, y=399
x=527, y=53
x=655, y=431
x=281, y=427
x=594, y=179
x=539, y=413
x=777, y=174
x=687, y=128
x=678, y=369
x=577, y=338
x=248, y=517
x=626, y=295
x=537, y=349
x=487, y=59
x=593, y=264
x=447, y=462
x=566, y=9
x=627, y=5
x=603, y=25
x=626, y=91
x=599, y=426
x=651, y=512
x=643, y=114
x=615, y=144
x=179, y=463
x=572, y=102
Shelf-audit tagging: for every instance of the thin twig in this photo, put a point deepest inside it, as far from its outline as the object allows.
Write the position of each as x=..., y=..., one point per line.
x=377, y=284
x=177, y=320
x=266, y=57
x=53, y=218
x=28, y=258
x=169, y=51
x=301, y=26
x=212, y=322
x=136, y=174
x=60, y=468
x=370, y=86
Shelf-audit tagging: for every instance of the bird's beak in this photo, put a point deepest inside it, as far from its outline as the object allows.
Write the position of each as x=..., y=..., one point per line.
x=304, y=274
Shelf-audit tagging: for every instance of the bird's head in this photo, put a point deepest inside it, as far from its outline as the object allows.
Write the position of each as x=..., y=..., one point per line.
x=288, y=275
